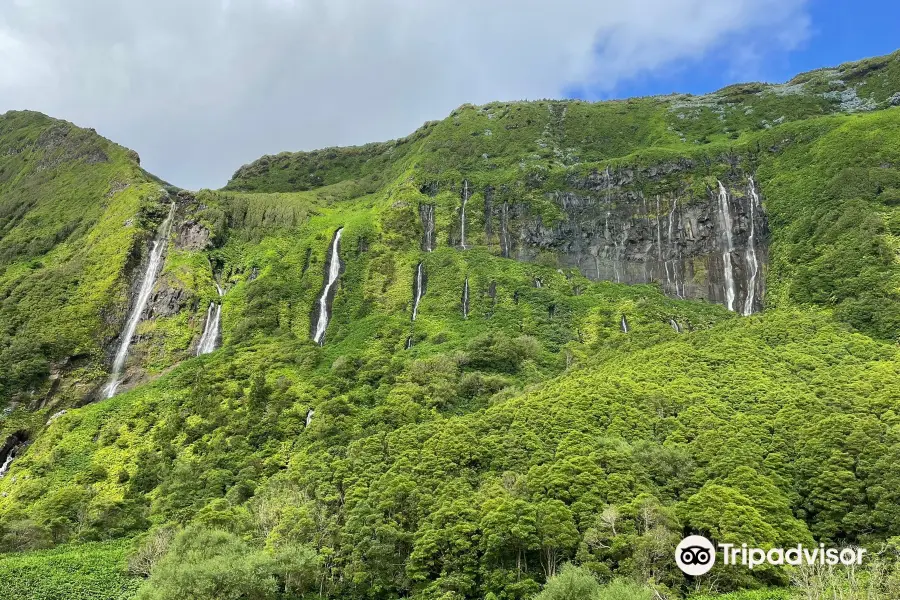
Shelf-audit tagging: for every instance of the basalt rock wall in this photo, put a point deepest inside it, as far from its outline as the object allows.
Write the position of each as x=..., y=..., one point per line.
x=696, y=235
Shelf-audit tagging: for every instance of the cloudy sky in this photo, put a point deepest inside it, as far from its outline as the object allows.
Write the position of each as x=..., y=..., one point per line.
x=200, y=87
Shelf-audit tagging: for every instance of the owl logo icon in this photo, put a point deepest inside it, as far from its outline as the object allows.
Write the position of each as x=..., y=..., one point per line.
x=695, y=555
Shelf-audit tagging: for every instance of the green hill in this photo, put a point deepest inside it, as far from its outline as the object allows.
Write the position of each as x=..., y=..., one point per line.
x=560, y=332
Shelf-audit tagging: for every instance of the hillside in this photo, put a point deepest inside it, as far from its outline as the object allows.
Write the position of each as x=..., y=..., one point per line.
x=443, y=366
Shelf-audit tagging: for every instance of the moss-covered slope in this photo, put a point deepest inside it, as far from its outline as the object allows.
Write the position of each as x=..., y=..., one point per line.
x=465, y=453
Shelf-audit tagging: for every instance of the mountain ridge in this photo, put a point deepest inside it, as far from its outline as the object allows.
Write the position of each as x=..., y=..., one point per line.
x=558, y=332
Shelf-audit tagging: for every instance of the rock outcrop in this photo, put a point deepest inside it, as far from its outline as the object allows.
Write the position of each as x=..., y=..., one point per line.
x=695, y=236
x=192, y=236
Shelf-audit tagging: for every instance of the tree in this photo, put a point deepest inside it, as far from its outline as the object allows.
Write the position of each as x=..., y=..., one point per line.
x=556, y=532
x=572, y=583
x=205, y=564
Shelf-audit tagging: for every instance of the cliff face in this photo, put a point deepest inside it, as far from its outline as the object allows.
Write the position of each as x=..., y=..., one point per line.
x=709, y=244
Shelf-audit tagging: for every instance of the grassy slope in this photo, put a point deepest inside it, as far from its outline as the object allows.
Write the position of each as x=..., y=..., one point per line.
x=65, y=194
x=469, y=412
x=86, y=572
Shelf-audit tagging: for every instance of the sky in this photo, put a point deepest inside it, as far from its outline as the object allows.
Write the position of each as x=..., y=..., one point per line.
x=200, y=87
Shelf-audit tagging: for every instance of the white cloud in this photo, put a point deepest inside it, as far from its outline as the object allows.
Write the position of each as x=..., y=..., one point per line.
x=199, y=88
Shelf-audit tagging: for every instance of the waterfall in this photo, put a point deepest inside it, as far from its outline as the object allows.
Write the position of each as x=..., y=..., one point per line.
x=10, y=449
x=334, y=269
x=426, y=213
x=674, y=251
x=9, y=458
x=659, y=246
x=309, y=416
x=465, y=299
x=504, y=230
x=418, y=290
x=726, y=254
x=409, y=343
x=672, y=219
x=211, y=330
x=624, y=324
x=752, y=258
x=465, y=200
x=675, y=325
x=149, y=279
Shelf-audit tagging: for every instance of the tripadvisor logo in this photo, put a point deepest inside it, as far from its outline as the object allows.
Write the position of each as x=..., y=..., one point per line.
x=696, y=555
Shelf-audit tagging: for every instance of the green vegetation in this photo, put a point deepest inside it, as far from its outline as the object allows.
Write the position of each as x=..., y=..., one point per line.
x=529, y=449
x=82, y=572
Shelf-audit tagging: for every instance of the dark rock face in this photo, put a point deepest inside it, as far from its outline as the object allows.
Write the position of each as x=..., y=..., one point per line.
x=167, y=300
x=710, y=245
x=192, y=236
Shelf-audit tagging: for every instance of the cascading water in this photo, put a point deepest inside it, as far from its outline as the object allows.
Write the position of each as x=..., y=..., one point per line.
x=659, y=244
x=752, y=258
x=426, y=212
x=675, y=325
x=725, y=214
x=153, y=266
x=309, y=416
x=13, y=452
x=334, y=270
x=465, y=200
x=210, y=336
x=465, y=299
x=418, y=290
x=624, y=324
x=674, y=252
x=409, y=343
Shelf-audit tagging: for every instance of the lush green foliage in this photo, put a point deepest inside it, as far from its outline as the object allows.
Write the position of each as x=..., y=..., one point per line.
x=81, y=572
x=65, y=194
x=530, y=433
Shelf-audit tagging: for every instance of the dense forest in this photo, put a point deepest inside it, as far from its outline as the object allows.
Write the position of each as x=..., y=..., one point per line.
x=520, y=353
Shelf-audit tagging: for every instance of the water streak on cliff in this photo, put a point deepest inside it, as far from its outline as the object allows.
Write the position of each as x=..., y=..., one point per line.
x=157, y=253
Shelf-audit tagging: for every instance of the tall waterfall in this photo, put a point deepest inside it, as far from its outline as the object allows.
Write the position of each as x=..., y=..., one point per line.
x=465, y=200
x=465, y=299
x=426, y=213
x=149, y=279
x=210, y=336
x=418, y=290
x=624, y=324
x=334, y=270
x=659, y=244
x=729, y=247
x=752, y=258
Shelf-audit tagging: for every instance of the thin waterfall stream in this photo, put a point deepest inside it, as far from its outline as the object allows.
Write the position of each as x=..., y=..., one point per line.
x=419, y=290
x=752, y=258
x=724, y=212
x=334, y=270
x=210, y=337
x=465, y=299
x=154, y=264
x=465, y=200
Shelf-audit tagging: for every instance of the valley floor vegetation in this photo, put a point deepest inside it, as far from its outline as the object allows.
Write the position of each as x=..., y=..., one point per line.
x=468, y=425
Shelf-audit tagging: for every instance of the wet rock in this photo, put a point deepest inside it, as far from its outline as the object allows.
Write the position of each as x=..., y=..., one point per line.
x=613, y=229
x=192, y=236
x=167, y=300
